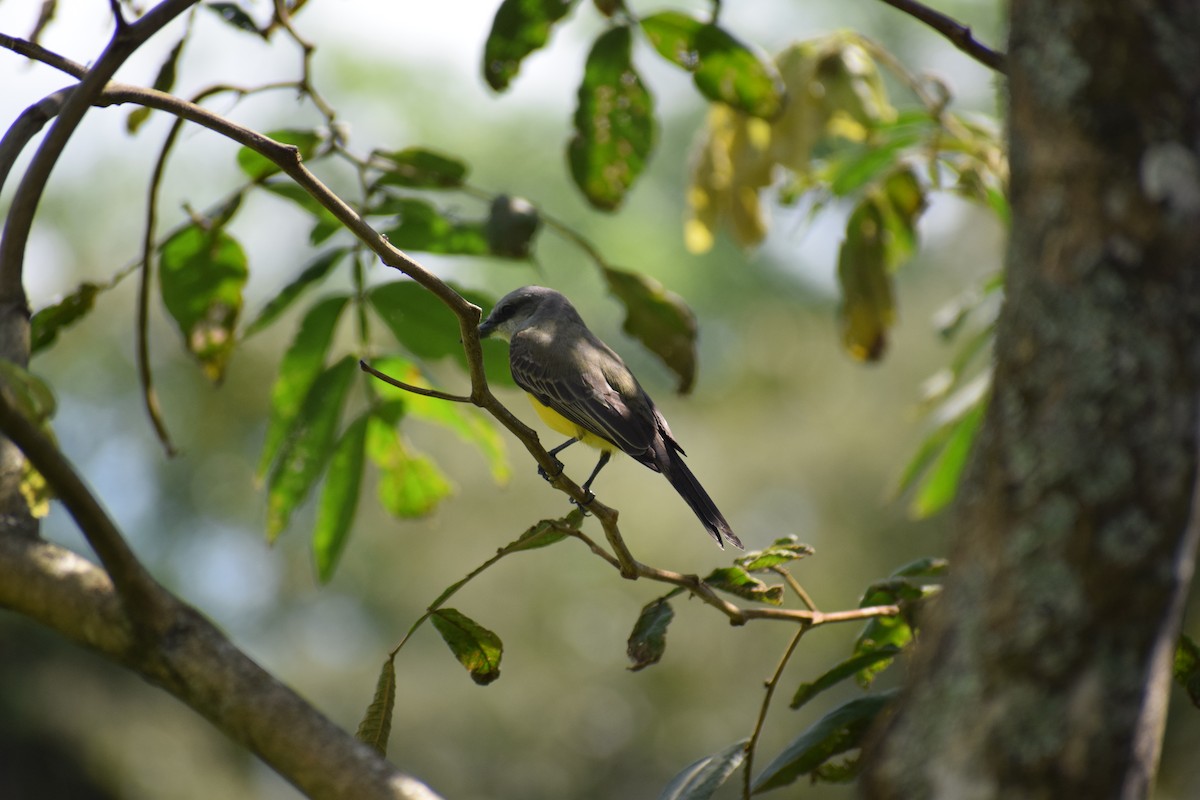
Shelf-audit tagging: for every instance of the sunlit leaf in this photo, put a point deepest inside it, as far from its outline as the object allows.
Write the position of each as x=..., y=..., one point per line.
x=470, y=424
x=614, y=123
x=673, y=34
x=659, y=319
x=701, y=779
x=780, y=552
x=944, y=469
x=308, y=445
x=376, y=725
x=339, y=498
x=648, y=640
x=421, y=168
x=299, y=367
x=895, y=632
x=312, y=275
x=868, y=308
x=258, y=167
x=738, y=582
x=164, y=81
x=840, y=730
x=511, y=226
x=422, y=227
x=201, y=276
x=48, y=322
x=847, y=669
x=475, y=647
x=410, y=485
x=519, y=28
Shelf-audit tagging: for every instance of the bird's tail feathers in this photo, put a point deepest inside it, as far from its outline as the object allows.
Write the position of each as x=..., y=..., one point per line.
x=677, y=472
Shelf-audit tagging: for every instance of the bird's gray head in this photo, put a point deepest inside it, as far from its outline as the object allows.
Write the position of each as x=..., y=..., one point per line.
x=517, y=309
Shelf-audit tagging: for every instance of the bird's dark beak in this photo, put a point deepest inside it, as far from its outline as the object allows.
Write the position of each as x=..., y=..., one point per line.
x=486, y=327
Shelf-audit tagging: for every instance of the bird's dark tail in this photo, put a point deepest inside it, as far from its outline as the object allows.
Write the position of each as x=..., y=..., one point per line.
x=677, y=472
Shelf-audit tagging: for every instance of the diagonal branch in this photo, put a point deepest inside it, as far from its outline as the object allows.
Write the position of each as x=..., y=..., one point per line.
x=959, y=35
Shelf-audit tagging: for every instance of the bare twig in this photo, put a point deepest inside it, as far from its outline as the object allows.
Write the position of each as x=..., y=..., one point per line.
x=408, y=387
x=959, y=35
x=772, y=682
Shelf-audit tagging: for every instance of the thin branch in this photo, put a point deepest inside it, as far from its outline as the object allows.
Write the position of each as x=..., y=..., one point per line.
x=752, y=745
x=959, y=35
x=408, y=387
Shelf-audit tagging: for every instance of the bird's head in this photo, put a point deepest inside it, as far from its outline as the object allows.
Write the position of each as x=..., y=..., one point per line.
x=517, y=309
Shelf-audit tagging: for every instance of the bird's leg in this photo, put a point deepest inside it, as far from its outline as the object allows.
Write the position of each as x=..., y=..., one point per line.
x=554, y=454
x=587, y=485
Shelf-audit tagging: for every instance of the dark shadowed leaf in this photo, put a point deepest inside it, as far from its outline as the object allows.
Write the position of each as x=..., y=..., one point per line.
x=660, y=320
x=47, y=323
x=233, y=14
x=519, y=28
x=339, y=498
x=308, y=445
x=701, y=779
x=738, y=582
x=730, y=72
x=201, y=276
x=257, y=166
x=614, y=123
x=326, y=224
x=422, y=227
x=838, y=731
x=475, y=647
x=780, y=552
x=847, y=669
x=376, y=725
x=1187, y=667
x=418, y=320
x=511, y=226
x=649, y=638
x=312, y=275
x=300, y=366
x=420, y=168
x=163, y=82
x=924, y=567
x=545, y=533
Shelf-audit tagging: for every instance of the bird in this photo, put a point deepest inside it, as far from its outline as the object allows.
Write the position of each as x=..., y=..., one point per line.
x=581, y=388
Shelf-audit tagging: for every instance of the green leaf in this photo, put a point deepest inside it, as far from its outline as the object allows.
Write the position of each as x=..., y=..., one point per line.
x=258, y=167
x=888, y=633
x=309, y=444
x=1187, y=667
x=410, y=485
x=300, y=366
x=730, y=72
x=519, y=28
x=418, y=319
x=673, y=35
x=868, y=308
x=614, y=123
x=235, y=17
x=312, y=275
x=326, y=224
x=701, y=779
x=422, y=227
x=471, y=425
x=848, y=668
x=924, y=567
x=475, y=647
x=838, y=731
x=163, y=82
x=780, y=552
x=339, y=498
x=420, y=168
x=29, y=394
x=511, y=226
x=376, y=725
x=47, y=323
x=545, y=533
x=649, y=637
x=201, y=276
x=940, y=482
x=738, y=582
x=659, y=319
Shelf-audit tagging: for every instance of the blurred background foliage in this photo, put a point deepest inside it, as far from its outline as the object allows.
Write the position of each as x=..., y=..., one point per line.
x=787, y=431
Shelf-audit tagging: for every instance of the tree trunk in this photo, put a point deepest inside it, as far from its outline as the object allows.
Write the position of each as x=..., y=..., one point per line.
x=1043, y=671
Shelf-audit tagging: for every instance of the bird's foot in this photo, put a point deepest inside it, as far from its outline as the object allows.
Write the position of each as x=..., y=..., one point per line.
x=546, y=476
x=587, y=501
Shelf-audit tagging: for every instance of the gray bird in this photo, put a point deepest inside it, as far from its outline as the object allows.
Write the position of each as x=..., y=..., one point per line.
x=581, y=388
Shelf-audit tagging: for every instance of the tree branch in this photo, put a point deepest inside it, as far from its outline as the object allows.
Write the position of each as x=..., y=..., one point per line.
x=959, y=35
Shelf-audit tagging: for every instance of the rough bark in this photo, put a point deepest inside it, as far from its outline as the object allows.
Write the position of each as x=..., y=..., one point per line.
x=1044, y=670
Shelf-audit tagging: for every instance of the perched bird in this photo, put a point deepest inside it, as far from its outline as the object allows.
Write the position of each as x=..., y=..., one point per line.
x=581, y=388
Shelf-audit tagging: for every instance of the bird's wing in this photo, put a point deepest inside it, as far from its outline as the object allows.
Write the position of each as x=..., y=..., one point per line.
x=597, y=392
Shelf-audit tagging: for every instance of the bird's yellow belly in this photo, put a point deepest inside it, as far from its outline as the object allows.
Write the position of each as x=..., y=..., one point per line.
x=564, y=426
